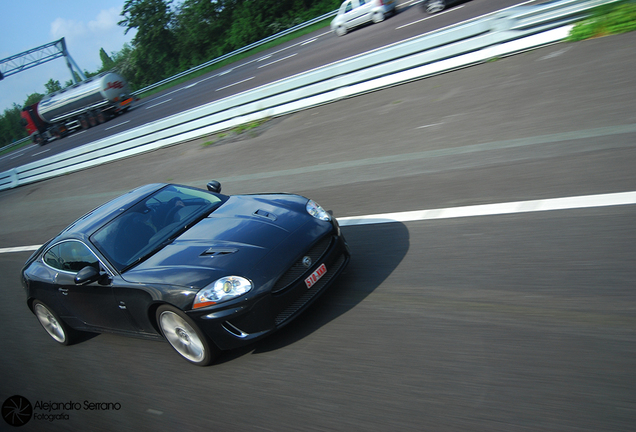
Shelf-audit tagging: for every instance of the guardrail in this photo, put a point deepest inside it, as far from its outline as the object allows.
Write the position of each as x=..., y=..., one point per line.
x=15, y=143
x=499, y=34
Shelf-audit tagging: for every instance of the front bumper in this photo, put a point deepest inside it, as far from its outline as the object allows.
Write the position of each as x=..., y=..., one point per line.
x=241, y=323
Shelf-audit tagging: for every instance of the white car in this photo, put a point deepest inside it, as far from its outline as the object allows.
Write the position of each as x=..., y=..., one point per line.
x=353, y=13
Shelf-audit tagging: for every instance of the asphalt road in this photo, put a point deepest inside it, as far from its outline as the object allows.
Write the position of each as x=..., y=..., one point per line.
x=518, y=322
x=309, y=52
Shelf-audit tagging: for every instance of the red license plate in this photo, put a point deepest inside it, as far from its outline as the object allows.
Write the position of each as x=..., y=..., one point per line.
x=316, y=275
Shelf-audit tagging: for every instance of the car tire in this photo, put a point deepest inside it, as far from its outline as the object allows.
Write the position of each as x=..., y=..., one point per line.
x=378, y=17
x=185, y=336
x=434, y=6
x=341, y=30
x=53, y=325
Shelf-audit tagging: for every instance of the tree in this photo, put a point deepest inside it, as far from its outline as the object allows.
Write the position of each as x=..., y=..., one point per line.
x=107, y=62
x=154, y=42
x=33, y=98
x=10, y=127
x=52, y=86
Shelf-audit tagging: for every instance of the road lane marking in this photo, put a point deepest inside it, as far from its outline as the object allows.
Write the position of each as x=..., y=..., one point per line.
x=39, y=153
x=20, y=249
x=429, y=17
x=157, y=104
x=568, y=203
x=550, y=204
x=236, y=83
x=117, y=125
x=276, y=61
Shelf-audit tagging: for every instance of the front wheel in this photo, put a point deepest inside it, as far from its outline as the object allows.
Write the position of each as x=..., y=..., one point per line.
x=341, y=30
x=185, y=336
x=54, y=326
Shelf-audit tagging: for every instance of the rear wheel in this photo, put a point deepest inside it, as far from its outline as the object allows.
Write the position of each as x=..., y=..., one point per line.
x=434, y=6
x=54, y=326
x=83, y=121
x=378, y=17
x=92, y=119
x=185, y=336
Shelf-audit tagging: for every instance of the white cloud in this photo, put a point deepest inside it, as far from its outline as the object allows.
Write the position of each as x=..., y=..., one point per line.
x=84, y=40
x=106, y=21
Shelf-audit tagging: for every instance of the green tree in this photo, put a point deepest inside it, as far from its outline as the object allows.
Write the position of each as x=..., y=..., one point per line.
x=199, y=27
x=107, y=62
x=154, y=43
x=10, y=127
x=33, y=98
x=52, y=86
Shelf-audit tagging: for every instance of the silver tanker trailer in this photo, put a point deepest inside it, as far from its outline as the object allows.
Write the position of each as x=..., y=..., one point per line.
x=82, y=105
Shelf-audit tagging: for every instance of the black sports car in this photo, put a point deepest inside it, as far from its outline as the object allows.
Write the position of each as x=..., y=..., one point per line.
x=204, y=270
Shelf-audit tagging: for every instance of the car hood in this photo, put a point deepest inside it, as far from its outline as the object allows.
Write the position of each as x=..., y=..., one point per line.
x=230, y=241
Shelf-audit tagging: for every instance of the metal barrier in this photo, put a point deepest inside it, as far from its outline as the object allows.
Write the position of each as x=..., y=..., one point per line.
x=499, y=34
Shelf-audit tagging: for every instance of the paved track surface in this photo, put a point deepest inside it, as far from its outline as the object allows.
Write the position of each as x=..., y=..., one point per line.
x=520, y=322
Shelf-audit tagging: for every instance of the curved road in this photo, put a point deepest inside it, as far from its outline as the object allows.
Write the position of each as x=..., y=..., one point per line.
x=500, y=322
x=309, y=52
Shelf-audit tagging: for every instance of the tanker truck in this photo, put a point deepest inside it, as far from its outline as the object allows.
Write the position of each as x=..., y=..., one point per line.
x=83, y=105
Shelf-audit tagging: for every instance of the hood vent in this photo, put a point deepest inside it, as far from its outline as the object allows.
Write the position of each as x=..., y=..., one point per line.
x=217, y=251
x=265, y=214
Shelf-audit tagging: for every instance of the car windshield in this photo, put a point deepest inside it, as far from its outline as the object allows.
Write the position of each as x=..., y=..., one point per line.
x=151, y=224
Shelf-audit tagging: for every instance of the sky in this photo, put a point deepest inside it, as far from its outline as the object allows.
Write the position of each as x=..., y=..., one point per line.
x=86, y=25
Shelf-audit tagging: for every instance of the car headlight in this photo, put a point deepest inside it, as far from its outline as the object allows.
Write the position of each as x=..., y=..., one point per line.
x=221, y=290
x=316, y=211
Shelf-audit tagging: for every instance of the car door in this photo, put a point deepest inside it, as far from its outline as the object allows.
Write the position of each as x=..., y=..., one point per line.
x=352, y=13
x=364, y=11
x=91, y=305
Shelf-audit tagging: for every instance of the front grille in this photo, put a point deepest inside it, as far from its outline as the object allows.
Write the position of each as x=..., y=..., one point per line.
x=315, y=289
x=298, y=269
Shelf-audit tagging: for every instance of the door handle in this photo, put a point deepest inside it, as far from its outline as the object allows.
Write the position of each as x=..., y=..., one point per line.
x=64, y=291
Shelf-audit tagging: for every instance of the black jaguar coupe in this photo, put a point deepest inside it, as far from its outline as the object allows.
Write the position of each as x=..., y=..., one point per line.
x=203, y=270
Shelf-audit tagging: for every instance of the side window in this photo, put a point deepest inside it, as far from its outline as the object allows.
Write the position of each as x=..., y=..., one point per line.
x=71, y=256
x=361, y=2
x=348, y=8
x=52, y=257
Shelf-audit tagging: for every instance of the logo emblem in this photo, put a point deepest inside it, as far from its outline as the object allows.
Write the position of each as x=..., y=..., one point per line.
x=17, y=410
x=307, y=261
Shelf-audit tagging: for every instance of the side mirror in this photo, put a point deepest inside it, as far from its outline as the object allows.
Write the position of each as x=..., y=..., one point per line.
x=87, y=275
x=214, y=186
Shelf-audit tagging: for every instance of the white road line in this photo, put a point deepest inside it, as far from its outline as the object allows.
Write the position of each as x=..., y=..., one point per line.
x=276, y=61
x=157, y=104
x=429, y=125
x=117, y=125
x=39, y=153
x=309, y=41
x=20, y=249
x=577, y=202
x=236, y=83
x=567, y=203
x=429, y=17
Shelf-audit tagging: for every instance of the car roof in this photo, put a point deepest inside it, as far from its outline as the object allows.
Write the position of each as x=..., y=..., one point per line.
x=98, y=217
